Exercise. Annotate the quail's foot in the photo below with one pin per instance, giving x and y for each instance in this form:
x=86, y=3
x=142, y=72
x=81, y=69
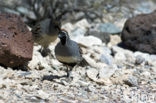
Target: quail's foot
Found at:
x=68, y=70
x=22, y=67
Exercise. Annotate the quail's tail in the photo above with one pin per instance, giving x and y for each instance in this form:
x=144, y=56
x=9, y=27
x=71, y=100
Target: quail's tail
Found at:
x=84, y=63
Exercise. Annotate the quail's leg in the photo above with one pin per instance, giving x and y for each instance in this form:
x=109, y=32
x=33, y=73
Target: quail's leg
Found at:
x=68, y=71
x=45, y=51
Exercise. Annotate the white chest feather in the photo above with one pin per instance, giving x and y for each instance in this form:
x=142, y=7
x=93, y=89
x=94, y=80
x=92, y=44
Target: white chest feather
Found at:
x=67, y=59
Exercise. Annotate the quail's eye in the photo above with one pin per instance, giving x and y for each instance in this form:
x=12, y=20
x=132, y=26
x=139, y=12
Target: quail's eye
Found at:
x=57, y=27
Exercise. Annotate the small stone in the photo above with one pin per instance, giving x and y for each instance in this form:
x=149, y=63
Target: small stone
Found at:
x=91, y=15
x=114, y=40
x=106, y=50
x=78, y=32
x=27, y=12
x=83, y=84
x=105, y=37
x=117, y=49
x=7, y=10
x=92, y=74
x=82, y=24
x=131, y=81
x=79, y=15
x=146, y=74
x=120, y=56
x=146, y=56
x=91, y=88
x=139, y=60
x=108, y=28
x=101, y=76
x=23, y=74
x=106, y=58
x=153, y=57
x=43, y=94
x=107, y=71
x=120, y=23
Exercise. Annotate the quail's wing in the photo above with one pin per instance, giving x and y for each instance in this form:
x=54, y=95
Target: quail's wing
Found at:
x=36, y=30
x=80, y=50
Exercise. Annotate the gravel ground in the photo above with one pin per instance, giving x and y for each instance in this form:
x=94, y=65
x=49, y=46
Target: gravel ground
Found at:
x=130, y=78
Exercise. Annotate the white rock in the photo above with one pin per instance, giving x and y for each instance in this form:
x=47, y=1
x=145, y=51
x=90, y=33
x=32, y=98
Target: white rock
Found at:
x=120, y=56
x=114, y=40
x=78, y=32
x=106, y=58
x=123, y=54
x=146, y=56
x=107, y=72
x=120, y=23
x=68, y=26
x=38, y=62
x=82, y=24
x=92, y=74
x=88, y=41
x=93, y=63
x=117, y=49
x=82, y=83
x=146, y=74
x=102, y=76
x=43, y=94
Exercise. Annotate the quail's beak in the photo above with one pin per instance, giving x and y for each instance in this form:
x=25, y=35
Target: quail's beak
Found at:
x=58, y=28
x=60, y=36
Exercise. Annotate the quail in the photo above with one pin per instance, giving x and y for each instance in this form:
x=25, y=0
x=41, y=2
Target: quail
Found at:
x=46, y=32
x=68, y=52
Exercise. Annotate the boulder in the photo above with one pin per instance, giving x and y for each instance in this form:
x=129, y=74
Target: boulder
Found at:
x=139, y=33
x=16, y=42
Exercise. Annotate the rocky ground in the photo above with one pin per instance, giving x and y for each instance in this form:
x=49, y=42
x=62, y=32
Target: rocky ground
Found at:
x=114, y=75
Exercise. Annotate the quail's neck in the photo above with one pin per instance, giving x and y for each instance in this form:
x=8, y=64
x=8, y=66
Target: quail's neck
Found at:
x=65, y=41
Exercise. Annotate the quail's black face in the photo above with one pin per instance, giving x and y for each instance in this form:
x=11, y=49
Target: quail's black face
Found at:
x=55, y=25
x=63, y=35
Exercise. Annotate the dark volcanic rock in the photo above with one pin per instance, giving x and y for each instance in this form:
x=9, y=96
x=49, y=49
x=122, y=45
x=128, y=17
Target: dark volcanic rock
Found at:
x=16, y=43
x=139, y=33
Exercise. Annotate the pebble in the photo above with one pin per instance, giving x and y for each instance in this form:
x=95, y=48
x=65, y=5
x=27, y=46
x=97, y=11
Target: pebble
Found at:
x=107, y=72
x=79, y=15
x=131, y=81
x=139, y=60
x=120, y=56
x=108, y=28
x=105, y=58
x=78, y=32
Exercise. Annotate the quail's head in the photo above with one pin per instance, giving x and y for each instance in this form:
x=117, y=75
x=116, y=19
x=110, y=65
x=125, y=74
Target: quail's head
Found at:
x=55, y=26
x=64, y=37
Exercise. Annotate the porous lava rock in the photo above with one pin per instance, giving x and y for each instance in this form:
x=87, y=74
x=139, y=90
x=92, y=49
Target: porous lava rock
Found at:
x=139, y=33
x=16, y=42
